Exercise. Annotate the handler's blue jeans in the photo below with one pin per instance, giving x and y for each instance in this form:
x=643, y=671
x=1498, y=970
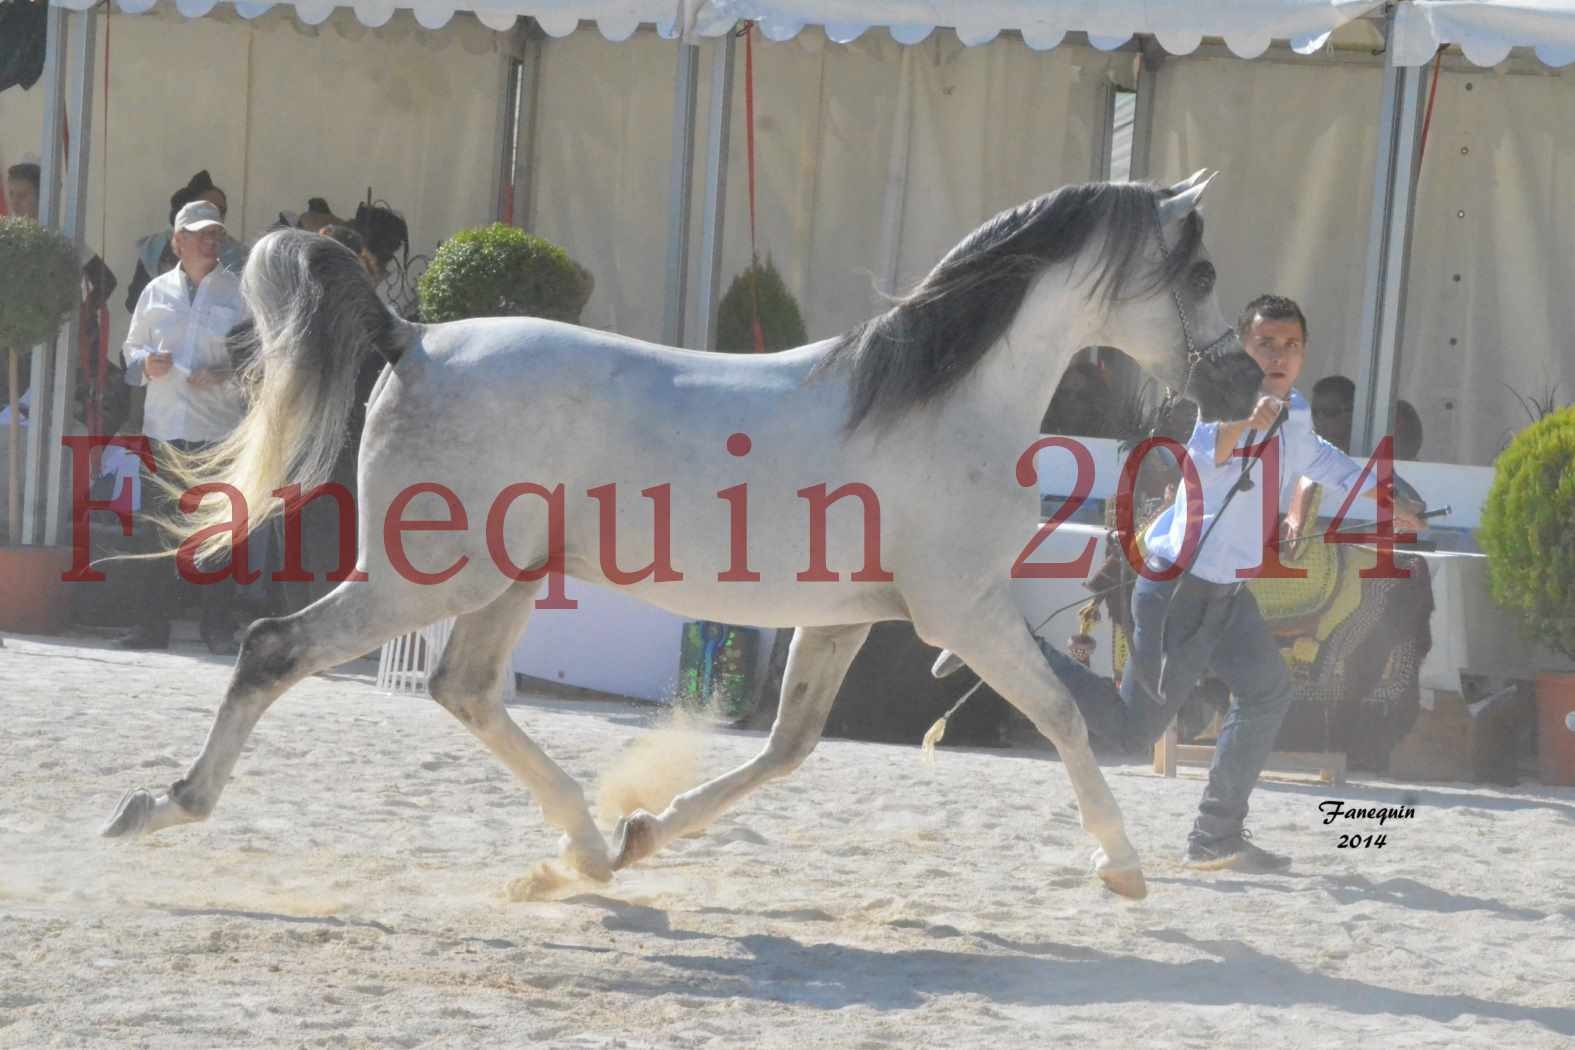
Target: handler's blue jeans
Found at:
x=1211, y=627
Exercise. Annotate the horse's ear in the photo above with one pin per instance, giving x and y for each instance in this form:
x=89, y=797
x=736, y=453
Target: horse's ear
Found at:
x=1180, y=204
x=1189, y=182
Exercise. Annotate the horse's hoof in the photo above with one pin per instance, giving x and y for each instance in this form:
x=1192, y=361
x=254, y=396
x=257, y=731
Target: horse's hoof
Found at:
x=634, y=839
x=1128, y=883
x=592, y=864
x=132, y=816
x=1124, y=877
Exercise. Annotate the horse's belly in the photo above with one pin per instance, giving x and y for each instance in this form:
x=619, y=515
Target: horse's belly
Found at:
x=763, y=603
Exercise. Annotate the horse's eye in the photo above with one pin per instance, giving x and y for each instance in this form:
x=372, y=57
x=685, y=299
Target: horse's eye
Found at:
x=1202, y=277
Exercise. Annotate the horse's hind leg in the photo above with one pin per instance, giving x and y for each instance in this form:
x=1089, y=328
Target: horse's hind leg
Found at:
x=468, y=683
x=817, y=663
x=992, y=639
x=275, y=655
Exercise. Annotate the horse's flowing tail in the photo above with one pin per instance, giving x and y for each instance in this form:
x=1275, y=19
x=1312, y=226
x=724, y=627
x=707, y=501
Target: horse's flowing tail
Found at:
x=316, y=318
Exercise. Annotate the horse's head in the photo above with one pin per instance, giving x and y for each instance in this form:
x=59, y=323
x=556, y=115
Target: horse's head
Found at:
x=1170, y=319
x=1101, y=264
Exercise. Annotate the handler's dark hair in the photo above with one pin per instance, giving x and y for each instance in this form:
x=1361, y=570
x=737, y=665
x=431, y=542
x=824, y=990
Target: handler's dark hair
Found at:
x=1271, y=308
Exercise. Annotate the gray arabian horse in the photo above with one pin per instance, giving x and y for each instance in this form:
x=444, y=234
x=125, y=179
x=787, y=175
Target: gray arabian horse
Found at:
x=497, y=434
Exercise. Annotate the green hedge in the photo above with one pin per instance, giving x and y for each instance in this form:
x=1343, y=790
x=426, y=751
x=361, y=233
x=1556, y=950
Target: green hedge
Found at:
x=40, y=283
x=501, y=271
x=1528, y=530
x=780, y=320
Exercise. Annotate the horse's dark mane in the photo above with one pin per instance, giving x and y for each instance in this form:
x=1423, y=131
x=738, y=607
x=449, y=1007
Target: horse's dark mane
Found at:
x=935, y=335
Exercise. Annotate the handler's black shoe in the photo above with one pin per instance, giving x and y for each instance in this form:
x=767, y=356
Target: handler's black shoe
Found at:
x=1236, y=853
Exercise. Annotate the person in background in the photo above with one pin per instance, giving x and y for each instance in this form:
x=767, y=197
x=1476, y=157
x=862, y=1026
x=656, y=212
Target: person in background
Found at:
x=21, y=190
x=179, y=348
x=1334, y=410
x=318, y=216
x=1333, y=415
x=386, y=235
x=1408, y=432
x=156, y=254
x=352, y=239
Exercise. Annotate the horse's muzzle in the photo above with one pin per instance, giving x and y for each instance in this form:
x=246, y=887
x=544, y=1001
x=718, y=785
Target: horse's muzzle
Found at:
x=1224, y=380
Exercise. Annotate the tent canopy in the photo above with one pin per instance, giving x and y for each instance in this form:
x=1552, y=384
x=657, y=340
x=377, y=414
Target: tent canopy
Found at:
x=1485, y=29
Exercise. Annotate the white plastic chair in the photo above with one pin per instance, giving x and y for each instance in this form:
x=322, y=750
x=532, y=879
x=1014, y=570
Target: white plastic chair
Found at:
x=406, y=661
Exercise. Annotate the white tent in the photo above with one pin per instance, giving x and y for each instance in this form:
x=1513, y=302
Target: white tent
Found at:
x=1485, y=29
x=1374, y=226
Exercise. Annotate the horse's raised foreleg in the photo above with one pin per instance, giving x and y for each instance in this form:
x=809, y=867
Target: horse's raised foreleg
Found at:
x=468, y=683
x=275, y=654
x=992, y=638
x=817, y=662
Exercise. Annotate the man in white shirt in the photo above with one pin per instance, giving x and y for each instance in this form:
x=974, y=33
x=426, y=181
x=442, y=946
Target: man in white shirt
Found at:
x=177, y=348
x=1204, y=619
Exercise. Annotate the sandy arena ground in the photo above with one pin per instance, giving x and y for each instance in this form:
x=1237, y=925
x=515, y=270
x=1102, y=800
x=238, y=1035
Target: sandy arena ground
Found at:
x=351, y=891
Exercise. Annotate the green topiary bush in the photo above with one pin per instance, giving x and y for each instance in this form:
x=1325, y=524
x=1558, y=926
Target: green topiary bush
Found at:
x=1528, y=530
x=780, y=320
x=40, y=286
x=501, y=271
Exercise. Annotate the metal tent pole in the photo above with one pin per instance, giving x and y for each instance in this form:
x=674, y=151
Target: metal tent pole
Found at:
x=680, y=193
x=525, y=126
x=714, y=211
x=49, y=209
x=74, y=225
x=1148, y=61
x=1388, y=247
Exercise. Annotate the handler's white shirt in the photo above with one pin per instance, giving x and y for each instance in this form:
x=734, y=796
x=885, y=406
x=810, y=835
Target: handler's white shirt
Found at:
x=1237, y=543
x=193, y=330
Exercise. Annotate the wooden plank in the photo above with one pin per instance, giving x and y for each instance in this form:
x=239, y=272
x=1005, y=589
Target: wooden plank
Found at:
x=1330, y=765
x=1166, y=756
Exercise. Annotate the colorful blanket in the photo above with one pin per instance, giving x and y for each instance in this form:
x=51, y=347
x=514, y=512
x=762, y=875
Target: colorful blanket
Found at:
x=1354, y=647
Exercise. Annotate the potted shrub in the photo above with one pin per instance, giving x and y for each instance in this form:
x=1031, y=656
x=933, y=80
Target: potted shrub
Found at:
x=1528, y=533
x=781, y=323
x=42, y=285
x=501, y=271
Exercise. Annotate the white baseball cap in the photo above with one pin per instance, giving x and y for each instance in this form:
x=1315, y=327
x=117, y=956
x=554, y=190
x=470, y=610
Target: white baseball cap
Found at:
x=198, y=215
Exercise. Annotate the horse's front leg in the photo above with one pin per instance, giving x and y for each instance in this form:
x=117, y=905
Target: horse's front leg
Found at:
x=276, y=654
x=817, y=663
x=992, y=638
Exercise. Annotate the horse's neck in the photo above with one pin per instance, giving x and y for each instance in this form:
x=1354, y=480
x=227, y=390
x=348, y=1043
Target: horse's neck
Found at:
x=1016, y=377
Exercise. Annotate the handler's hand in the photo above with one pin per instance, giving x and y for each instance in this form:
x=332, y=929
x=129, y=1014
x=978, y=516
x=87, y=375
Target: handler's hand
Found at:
x=1264, y=413
x=1291, y=531
x=159, y=365
x=1409, y=519
x=1297, y=525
